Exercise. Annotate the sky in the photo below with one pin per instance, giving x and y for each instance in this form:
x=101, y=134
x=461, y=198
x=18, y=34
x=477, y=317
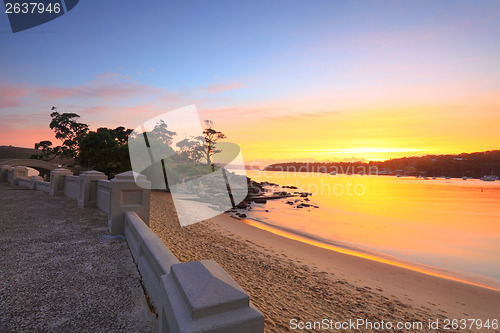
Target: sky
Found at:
x=285, y=80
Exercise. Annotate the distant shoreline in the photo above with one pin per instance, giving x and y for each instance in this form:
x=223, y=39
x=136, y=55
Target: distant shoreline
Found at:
x=471, y=165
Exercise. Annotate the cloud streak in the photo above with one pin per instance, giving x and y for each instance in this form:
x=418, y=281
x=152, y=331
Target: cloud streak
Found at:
x=107, y=87
x=219, y=87
x=11, y=96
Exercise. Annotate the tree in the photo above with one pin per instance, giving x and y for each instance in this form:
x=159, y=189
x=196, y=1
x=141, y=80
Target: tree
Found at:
x=121, y=134
x=68, y=130
x=162, y=134
x=191, y=149
x=47, y=153
x=211, y=138
x=105, y=150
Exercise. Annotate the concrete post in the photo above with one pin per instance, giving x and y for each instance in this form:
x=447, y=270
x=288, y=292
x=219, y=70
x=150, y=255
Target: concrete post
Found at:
x=128, y=194
x=202, y=297
x=87, y=194
x=10, y=175
x=57, y=181
x=33, y=180
x=18, y=172
x=4, y=173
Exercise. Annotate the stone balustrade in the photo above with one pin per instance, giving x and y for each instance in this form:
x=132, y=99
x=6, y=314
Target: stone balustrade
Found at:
x=42, y=186
x=128, y=195
x=103, y=198
x=57, y=181
x=29, y=182
x=196, y=296
x=16, y=173
x=71, y=187
x=4, y=173
x=87, y=188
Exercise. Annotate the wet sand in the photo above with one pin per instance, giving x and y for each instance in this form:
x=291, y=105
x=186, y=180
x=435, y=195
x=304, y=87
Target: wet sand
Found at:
x=289, y=280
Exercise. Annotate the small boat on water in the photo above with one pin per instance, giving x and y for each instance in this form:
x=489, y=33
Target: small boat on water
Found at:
x=489, y=178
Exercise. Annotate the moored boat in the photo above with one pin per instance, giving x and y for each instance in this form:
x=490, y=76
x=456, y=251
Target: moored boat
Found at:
x=489, y=178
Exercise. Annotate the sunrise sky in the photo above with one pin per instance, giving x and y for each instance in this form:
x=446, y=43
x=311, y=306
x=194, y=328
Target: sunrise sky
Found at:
x=286, y=80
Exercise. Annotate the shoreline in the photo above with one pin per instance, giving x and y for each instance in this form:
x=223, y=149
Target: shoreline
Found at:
x=374, y=256
x=318, y=238
x=288, y=279
x=374, y=274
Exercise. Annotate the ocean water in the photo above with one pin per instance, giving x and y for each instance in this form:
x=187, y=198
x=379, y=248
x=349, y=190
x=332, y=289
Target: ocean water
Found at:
x=444, y=227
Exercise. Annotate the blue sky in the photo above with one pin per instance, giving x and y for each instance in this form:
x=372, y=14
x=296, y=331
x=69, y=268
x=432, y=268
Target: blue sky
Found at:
x=117, y=61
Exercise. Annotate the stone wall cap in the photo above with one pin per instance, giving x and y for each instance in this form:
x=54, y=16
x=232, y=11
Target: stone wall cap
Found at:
x=92, y=172
x=207, y=288
x=130, y=175
x=60, y=170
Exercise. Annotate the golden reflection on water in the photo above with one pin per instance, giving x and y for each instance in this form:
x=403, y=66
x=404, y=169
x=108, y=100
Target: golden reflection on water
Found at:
x=449, y=225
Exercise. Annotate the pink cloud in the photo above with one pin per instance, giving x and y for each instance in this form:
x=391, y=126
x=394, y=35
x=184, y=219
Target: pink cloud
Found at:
x=11, y=96
x=107, y=76
x=171, y=97
x=217, y=87
x=103, y=89
x=50, y=93
x=109, y=115
x=15, y=120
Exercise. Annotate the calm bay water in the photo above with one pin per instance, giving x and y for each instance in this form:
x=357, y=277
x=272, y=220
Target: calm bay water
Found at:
x=448, y=227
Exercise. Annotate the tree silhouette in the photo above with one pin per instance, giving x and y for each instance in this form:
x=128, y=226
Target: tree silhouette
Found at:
x=68, y=130
x=191, y=149
x=105, y=149
x=162, y=134
x=211, y=138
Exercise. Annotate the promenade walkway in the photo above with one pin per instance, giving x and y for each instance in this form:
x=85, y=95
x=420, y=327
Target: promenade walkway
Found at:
x=60, y=271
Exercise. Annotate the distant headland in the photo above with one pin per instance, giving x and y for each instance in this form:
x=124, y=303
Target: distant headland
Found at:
x=470, y=165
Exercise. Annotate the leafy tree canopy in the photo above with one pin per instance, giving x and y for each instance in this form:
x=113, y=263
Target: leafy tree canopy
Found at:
x=105, y=149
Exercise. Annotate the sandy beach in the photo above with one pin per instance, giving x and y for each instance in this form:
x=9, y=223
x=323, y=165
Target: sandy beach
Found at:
x=292, y=282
